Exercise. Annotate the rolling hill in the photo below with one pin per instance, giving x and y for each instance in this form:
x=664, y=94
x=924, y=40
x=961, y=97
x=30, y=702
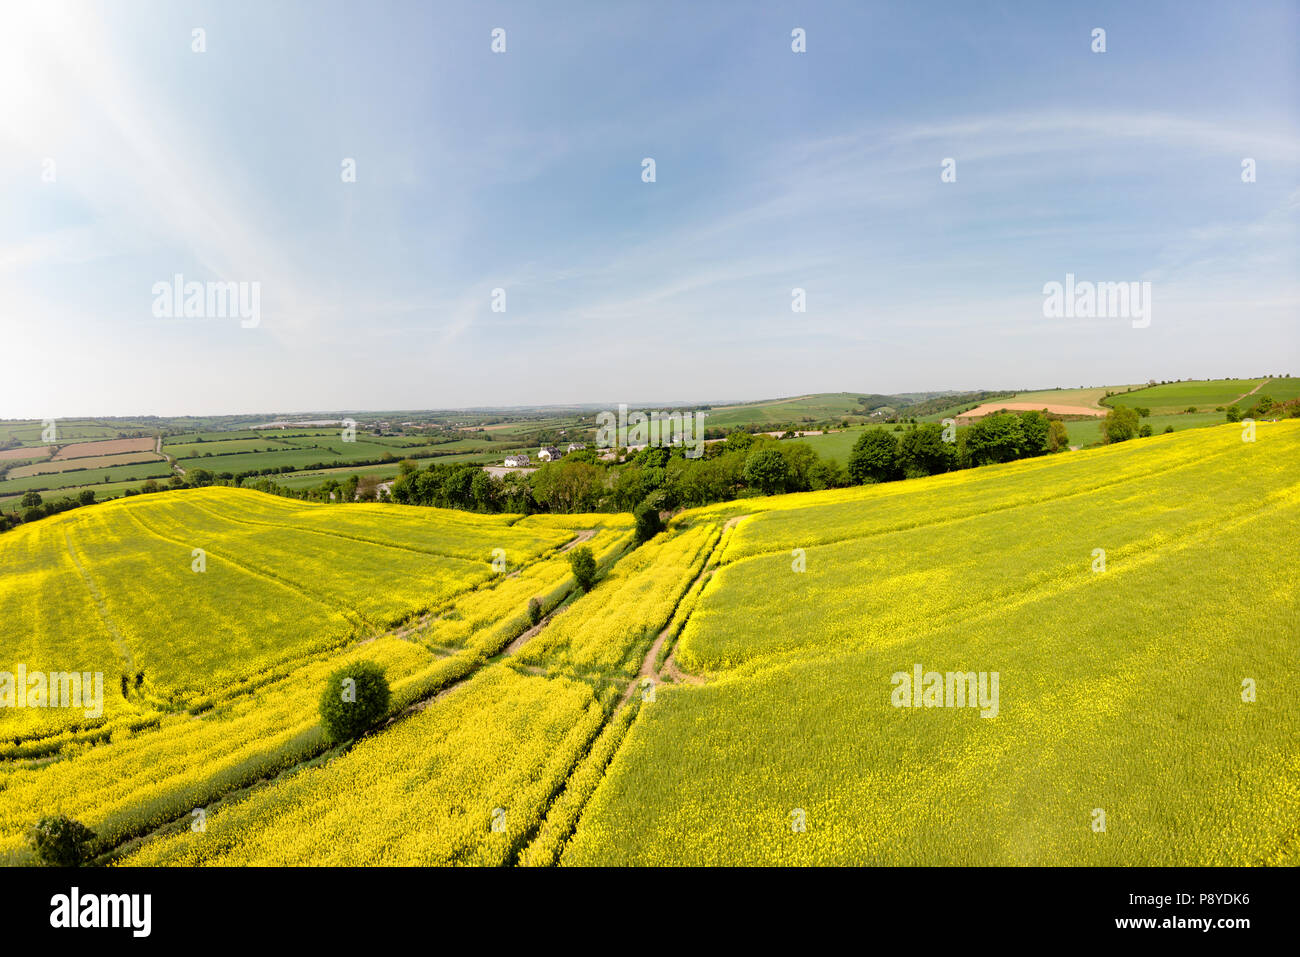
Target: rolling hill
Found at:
x=726, y=693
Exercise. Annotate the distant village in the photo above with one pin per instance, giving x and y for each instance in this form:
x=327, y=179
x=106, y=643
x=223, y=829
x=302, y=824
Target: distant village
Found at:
x=547, y=453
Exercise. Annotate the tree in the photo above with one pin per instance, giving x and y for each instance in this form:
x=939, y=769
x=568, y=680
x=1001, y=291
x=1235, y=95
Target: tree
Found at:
x=483, y=487
x=1058, y=436
x=1144, y=430
x=874, y=457
x=801, y=461
x=924, y=452
x=87, y=497
x=1035, y=429
x=355, y=697
x=569, y=486
x=766, y=470
x=61, y=841
x=31, y=500
x=648, y=522
x=995, y=438
x=534, y=611
x=739, y=440
x=1120, y=424
x=583, y=564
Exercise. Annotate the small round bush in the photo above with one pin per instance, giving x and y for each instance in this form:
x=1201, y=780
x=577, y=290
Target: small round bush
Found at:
x=583, y=564
x=534, y=611
x=355, y=697
x=648, y=522
x=60, y=841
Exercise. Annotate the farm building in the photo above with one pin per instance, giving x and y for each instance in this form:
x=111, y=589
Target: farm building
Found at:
x=549, y=453
x=517, y=461
x=577, y=446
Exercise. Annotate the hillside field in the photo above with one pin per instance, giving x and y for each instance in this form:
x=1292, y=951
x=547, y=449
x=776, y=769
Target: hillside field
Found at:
x=727, y=693
x=1206, y=395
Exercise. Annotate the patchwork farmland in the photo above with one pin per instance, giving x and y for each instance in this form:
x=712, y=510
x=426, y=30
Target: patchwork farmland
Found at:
x=725, y=692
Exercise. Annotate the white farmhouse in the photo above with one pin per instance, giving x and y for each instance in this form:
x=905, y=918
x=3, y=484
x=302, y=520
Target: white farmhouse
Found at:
x=550, y=453
x=517, y=461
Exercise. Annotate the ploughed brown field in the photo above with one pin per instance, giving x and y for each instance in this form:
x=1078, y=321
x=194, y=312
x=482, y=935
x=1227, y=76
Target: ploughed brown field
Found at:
x=80, y=450
x=87, y=462
x=26, y=452
x=988, y=408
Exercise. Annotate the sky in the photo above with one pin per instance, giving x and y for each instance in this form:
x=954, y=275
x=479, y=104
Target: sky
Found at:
x=128, y=157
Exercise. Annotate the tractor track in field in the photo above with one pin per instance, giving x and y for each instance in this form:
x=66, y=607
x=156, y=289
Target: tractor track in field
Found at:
x=649, y=668
x=1251, y=392
x=414, y=708
x=646, y=671
x=122, y=649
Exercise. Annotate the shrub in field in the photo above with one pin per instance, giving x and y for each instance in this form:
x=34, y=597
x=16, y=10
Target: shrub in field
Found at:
x=1120, y=424
x=583, y=564
x=1144, y=431
x=766, y=470
x=924, y=452
x=648, y=523
x=355, y=697
x=874, y=457
x=1058, y=437
x=534, y=610
x=60, y=841
x=1233, y=414
x=996, y=438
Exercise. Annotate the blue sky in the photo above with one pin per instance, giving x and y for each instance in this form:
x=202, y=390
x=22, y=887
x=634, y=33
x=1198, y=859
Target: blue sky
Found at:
x=522, y=171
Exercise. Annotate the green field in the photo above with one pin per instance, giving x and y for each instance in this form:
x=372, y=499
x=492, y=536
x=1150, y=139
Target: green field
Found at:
x=807, y=408
x=835, y=445
x=1204, y=395
x=28, y=432
x=185, y=450
x=67, y=480
x=1084, y=433
x=310, y=479
x=103, y=493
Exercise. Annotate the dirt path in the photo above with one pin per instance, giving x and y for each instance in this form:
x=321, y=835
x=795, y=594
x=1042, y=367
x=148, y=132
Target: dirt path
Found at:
x=583, y=536
x=523, y=639
x=676, y=674
x=670, y=668
x=1251, y=392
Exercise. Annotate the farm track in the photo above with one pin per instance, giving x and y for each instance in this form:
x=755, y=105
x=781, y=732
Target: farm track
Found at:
x=401, y=632
x=648, y=665
x=647, y=670
x=1251, y=392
